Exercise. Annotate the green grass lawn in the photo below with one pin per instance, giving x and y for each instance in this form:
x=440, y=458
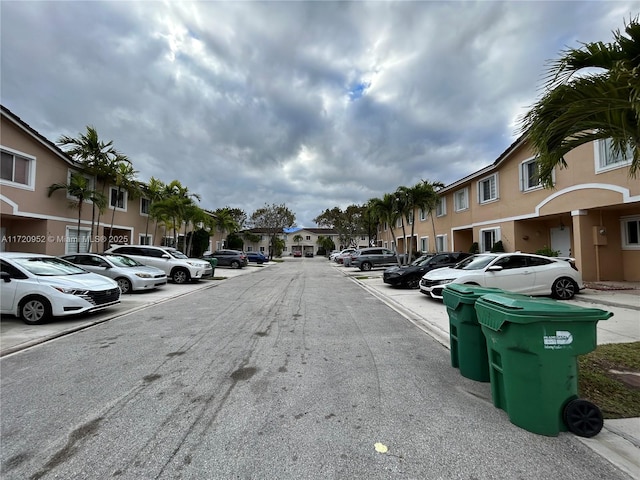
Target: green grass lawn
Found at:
x=617, y=398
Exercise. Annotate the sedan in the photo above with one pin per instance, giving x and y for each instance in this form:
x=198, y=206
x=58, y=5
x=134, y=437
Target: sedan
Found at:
x=37, y=287
x=515, y=272
x=408, y=276
x=131, y=275
x=257, y=257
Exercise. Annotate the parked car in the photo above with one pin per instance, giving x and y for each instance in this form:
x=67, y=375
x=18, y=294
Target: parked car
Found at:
x=258, y=257
x=308, y=254
x=339, y=258
x=131, y=275
x=37, y=287
x=515, y=272
x=178, y=267
x=367, y=258
x=297, y=253
x=229, y=258
x=409, y=276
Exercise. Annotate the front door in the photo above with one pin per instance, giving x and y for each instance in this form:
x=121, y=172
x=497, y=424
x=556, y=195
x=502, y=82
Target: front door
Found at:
x=561, y=241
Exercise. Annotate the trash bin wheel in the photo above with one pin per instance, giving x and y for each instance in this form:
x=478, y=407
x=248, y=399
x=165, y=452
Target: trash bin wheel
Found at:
x=583, y=418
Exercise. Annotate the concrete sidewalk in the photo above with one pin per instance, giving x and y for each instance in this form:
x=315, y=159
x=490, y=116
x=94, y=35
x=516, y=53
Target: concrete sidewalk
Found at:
x=619, y=440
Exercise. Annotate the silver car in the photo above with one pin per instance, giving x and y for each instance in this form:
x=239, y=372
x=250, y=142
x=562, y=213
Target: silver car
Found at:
x=131, y=275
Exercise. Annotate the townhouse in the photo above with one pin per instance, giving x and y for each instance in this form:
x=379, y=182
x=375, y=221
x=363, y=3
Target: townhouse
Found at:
x=592, y=213
x=33, y=221
x=300, y=239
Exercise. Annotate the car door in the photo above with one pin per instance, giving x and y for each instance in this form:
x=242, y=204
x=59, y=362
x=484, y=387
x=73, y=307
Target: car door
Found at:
x=544, y=274
x=386, y=257
x=515, y=275
x=91, y=263
x=9, y=289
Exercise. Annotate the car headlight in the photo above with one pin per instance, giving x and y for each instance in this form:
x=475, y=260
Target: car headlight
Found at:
x=447, y=280
x=71, y=291
x=198, y=264
x=143, y=275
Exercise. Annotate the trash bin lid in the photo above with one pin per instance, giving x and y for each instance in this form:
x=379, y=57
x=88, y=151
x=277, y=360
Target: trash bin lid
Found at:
x=521, y=309
x=455, y=294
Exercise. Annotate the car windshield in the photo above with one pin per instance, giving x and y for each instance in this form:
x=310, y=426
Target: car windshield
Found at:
x=177, y=254
x=122, y=261
x=475, y=262
x=422, y=261
x=48, y=267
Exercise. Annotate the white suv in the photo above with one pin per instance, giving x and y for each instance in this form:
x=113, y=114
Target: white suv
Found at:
x=178, y=267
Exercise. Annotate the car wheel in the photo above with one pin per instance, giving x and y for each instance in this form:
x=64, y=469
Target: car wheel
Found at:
x=180, y=276
x=413, y=283
x=35, y=310
x=124, y=284
x=564, y=289
x=366, y=266
x=235, y=264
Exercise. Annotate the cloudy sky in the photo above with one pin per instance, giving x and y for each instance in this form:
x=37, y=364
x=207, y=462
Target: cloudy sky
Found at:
x=310, y=104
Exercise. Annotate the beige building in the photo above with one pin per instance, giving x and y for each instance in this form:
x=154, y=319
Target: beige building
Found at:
x=591, y=214
x=33, y=221
x=304, y=240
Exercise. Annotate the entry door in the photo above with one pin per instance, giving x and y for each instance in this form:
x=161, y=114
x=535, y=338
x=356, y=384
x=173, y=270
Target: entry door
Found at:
x=561, y=241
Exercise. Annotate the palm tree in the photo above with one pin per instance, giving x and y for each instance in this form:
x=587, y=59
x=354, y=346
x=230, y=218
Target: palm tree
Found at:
x=80, y=188
x=386, y=210
x=153, y=192
x=96, y=158
x=429, y=200
x=591, y=93
x=297, y=238
x=224, y=221
x=125, y=181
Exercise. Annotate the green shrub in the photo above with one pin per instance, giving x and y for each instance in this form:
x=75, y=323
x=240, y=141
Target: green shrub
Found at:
x=547, y=252
x=497, y=247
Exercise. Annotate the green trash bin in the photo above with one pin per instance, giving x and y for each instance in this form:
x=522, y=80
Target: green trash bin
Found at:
x=214, y=264
x=532, y=347
x=468, y=345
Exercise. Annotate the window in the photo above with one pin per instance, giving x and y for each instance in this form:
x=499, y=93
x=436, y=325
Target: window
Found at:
x=631, y=233
x=90, y=183
x=145, y=205
x=441, y=208
x=399, y=222
x=410, y=218
x=488, y=189
x=144, y=239
x=441, y=243
x=117, y=199
x=77, y=243
x=529, y=175
x=16, y=169
x=423, y=215
x=308, y=237
x=488, y=238
x=461, y=199
x=606, y=159
x=424, y=244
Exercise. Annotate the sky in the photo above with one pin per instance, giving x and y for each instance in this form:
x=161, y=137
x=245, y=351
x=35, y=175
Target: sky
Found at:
x=311, y=104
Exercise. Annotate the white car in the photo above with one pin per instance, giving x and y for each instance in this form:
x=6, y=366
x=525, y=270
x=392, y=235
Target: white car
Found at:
x=178, y=267
x=131, y=275
x=37, y=287
x=515, y=272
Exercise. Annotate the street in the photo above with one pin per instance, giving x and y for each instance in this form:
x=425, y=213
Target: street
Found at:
x=291, y=372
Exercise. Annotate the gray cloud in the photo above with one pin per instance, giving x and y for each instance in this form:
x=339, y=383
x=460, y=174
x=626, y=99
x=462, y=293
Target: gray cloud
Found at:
x=312, y=104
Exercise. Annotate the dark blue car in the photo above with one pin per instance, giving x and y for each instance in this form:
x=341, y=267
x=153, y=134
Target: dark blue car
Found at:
x=256, y=257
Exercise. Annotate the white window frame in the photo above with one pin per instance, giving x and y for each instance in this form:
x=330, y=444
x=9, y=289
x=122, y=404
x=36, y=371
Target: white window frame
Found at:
x=142, y=238
x=124, y=199
x=72, y=232
x=601, y=149
x=624, y=229
x=31, y=170
x=423, y=215
x=142, y=212
x=424, y=244
x=496, y=238
x=491, y=178
x=90, y=180
x=441, y=207
x=523, y=174
x=441, y=243
x=456, y=203
x=399, y=222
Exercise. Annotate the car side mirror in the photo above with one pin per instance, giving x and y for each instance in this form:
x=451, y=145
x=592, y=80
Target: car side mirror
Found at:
x=166, y=255
x=494, y=268
x=5, y=276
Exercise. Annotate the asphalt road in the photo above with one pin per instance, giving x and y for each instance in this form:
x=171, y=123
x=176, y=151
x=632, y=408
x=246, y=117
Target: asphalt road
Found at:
x=291, y=372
